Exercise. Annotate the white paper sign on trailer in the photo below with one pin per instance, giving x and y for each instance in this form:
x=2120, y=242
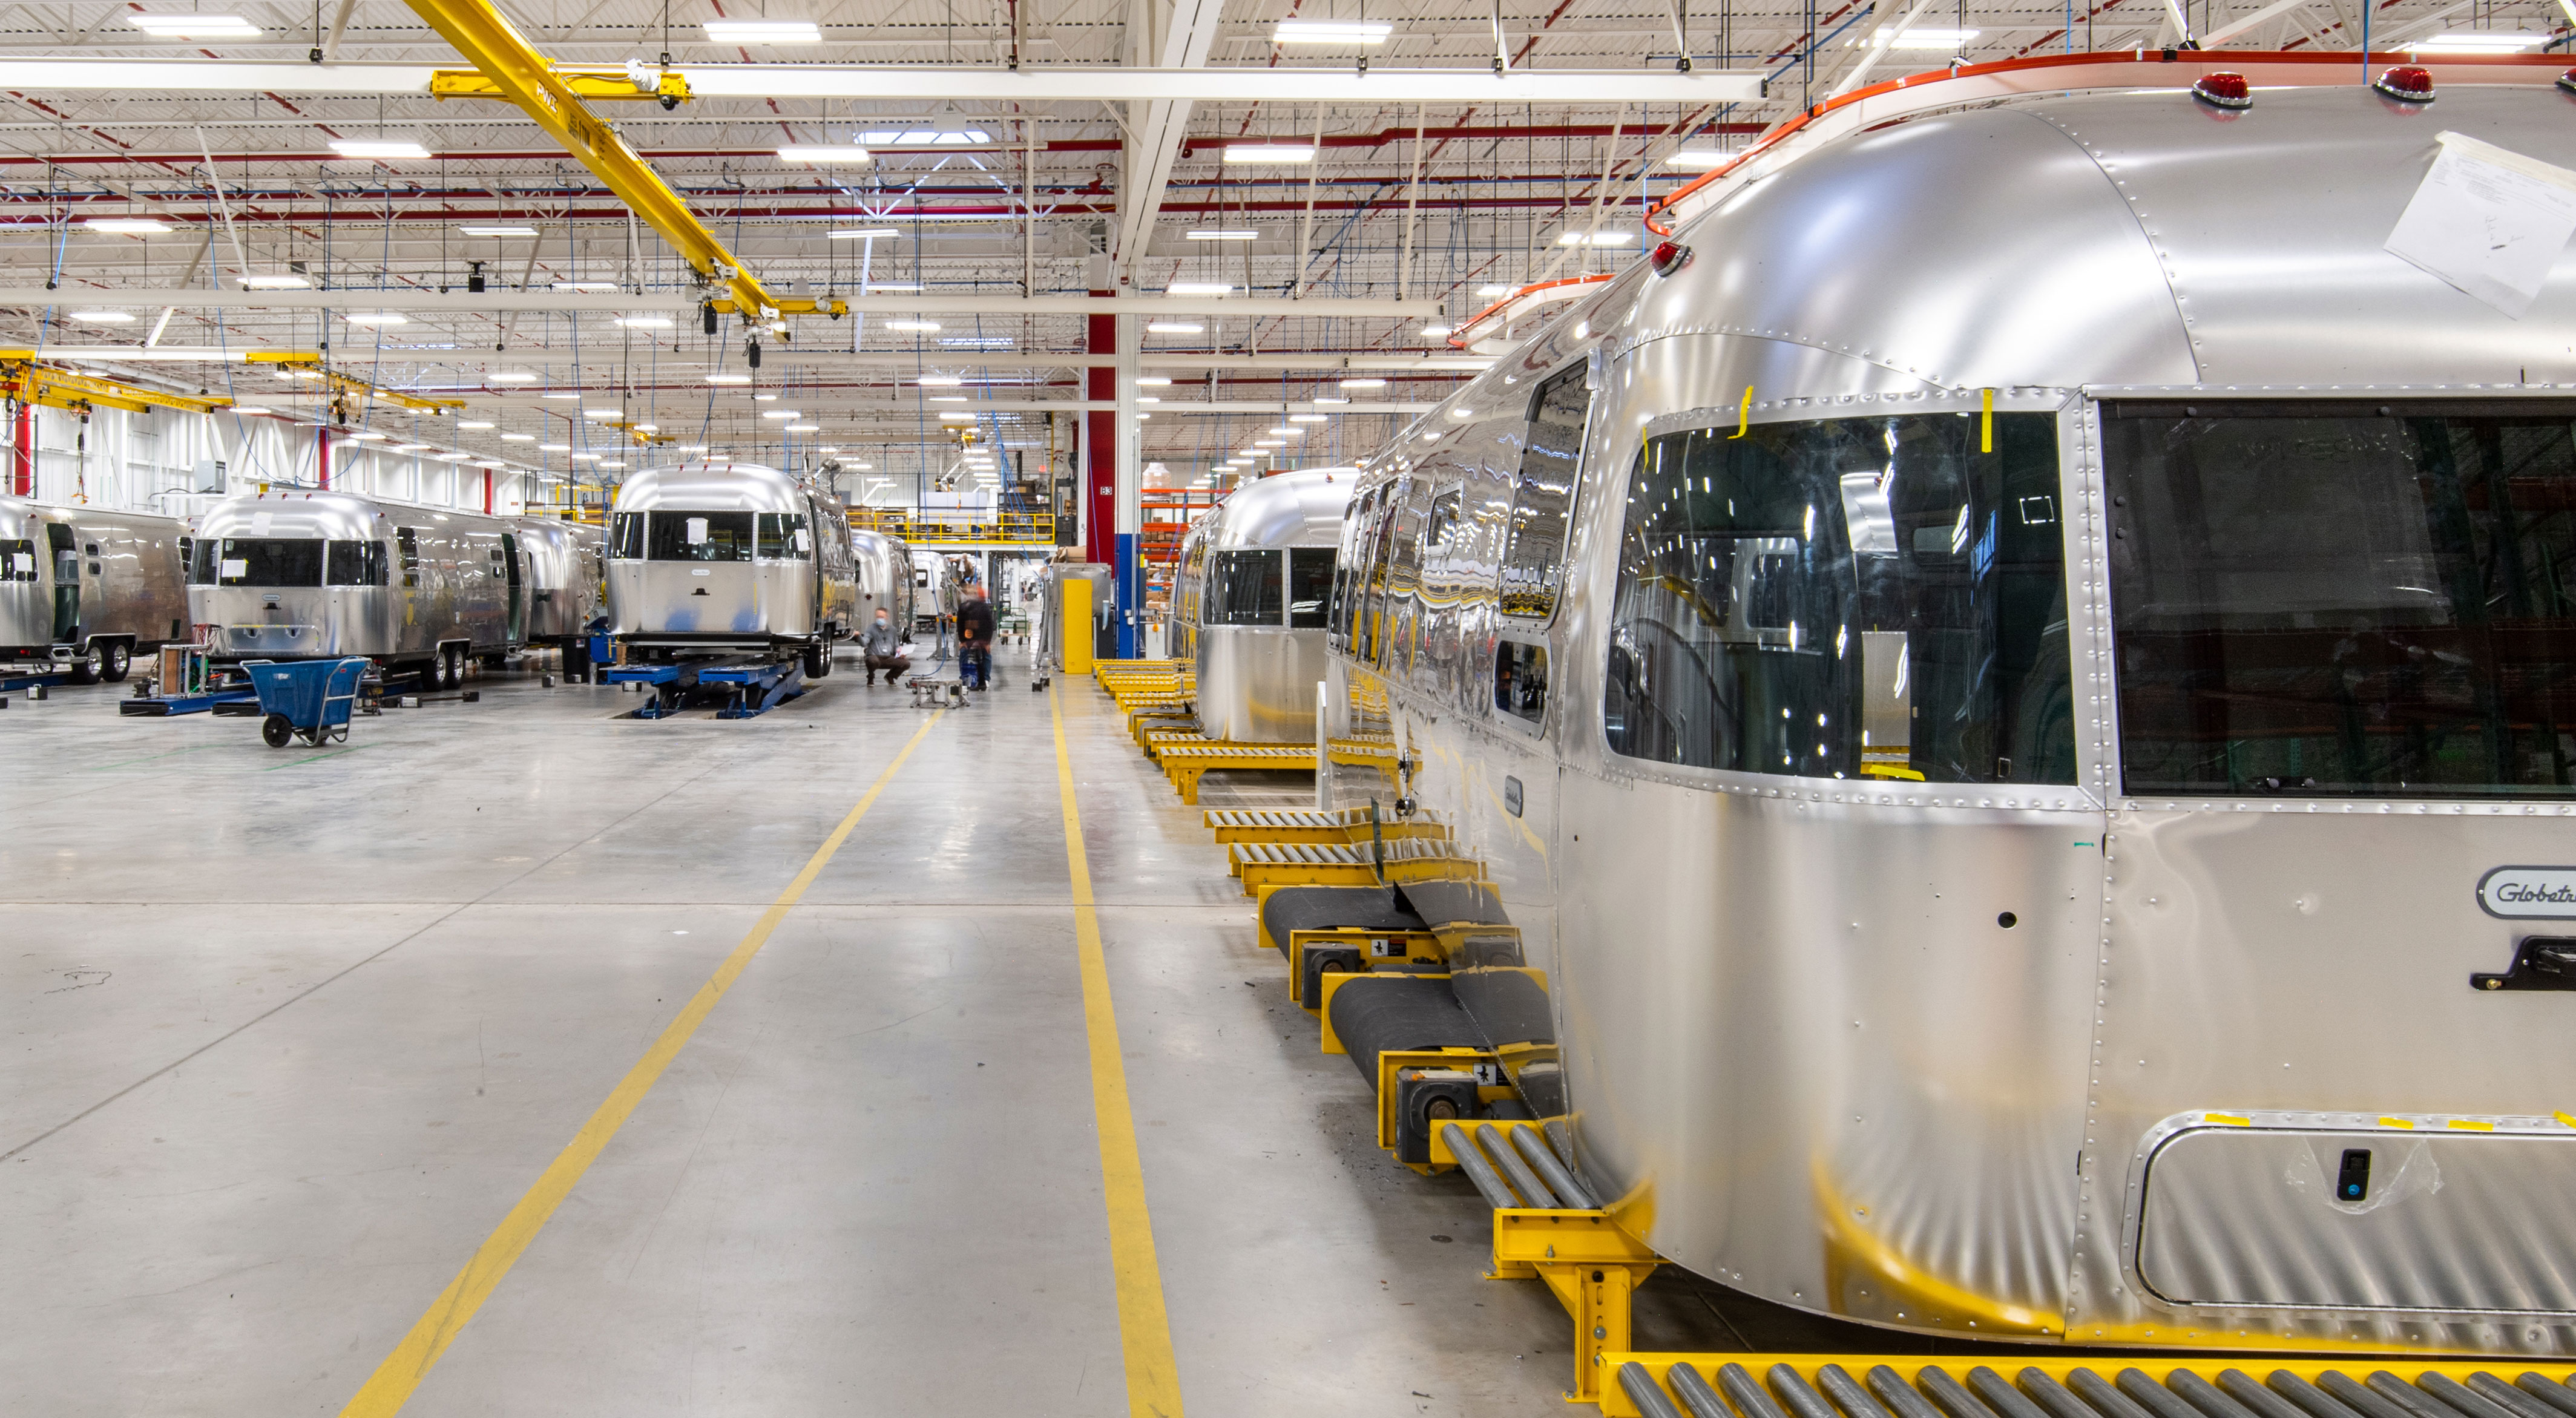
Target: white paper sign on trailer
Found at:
x=2489, y=221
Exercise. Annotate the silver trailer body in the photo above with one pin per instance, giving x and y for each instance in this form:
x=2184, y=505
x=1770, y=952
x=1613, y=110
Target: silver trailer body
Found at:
x=305, y=575
x=1104, y=593
x=728, y=558
x=2001, y=878
x=885, y=578
x=935, y=592
x=88, y=587
x=1249, y=596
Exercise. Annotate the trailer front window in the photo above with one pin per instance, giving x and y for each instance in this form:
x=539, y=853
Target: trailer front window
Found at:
x=699, y=536
x=2345, y=597
x=264, y=561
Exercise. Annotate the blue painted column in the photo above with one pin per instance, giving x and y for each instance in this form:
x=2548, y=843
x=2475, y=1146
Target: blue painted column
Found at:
x=1131, y=594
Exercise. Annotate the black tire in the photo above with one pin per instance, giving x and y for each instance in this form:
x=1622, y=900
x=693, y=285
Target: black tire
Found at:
x=276, y=730
x=818, y=661
x=89, y=664
x=429, y=673
x=120, y=660
x=454, y=655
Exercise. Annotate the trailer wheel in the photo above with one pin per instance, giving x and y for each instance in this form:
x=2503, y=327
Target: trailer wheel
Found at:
x=818, y=661
x=276, y=730
x=120, y=659
x=454, y=656
x=89, y=664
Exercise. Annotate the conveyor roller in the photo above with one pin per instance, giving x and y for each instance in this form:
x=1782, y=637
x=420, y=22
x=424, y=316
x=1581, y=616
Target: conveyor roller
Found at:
x=1812, y=1386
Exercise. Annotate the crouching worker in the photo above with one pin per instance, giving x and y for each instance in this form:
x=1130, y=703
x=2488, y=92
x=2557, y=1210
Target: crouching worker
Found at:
x=883, y=646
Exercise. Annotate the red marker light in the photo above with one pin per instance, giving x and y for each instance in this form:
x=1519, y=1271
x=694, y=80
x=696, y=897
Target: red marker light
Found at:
x=1669, y=256
x=2224, y=90
x=2406, y=83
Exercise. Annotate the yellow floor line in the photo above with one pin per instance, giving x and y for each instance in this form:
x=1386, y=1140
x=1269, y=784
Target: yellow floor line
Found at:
x=391, y=1386
x=1144, y=1330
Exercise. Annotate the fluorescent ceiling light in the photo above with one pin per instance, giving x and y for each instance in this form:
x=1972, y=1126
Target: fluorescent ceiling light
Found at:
x=921, y=326
x=1433, y=332
x=693, y=448
x=251, y=409
x=1310, y=418
x=585, y=457
x=275, y=283
x=2479, y=42
x=104, y=317
x=645, y=322
x=377, y=149
x=1919, y=37
x=1286, y=432
x=1596, y=238
x=1174, y=327
x=1151, y=380
x=780, y=414
x=510, y=376
x=1224, y=235
x=603, y=413
x=471, y=424
x=948, y=398
x=1269, y=152
x=823, y=153
x=127, y=226
x=1494, y=292
x=1696, y=159
x=1329, y=399
x=554, y=447
x=864, y=233
x=586, y=287
x=518, y=438
x=762, y=32
x=764, y=398
x=956, y=418
x=498, y=230
x=1197, y=288
x=372, y=319
x=804, y=428
x=1363, y=383
x=728, y=379
x=412, y=448
x=369, y=437
x=560, y=396
x=490, y=463
x=1331, y=32
x=194, y=26
x=926, y=137
x=939, y=381
x=1147, y=399
x=454, y=457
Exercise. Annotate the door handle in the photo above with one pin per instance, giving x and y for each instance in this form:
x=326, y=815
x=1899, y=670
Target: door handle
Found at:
x=2541, y=962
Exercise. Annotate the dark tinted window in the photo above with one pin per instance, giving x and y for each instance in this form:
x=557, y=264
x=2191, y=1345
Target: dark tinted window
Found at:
x=355, y=564
x=699, y=536
x=1310, y=581
x=2345, y=598
x=783, y=535
x=1874, y=597
x=407, y=545
x=268, y=561
x=626, y=536
x=1244, y=588
x=1543, y=500
x=1520, y=680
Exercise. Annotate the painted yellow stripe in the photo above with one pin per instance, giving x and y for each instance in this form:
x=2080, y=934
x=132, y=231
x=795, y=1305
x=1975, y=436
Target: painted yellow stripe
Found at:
x=391, y=1386
x=1144, y=1330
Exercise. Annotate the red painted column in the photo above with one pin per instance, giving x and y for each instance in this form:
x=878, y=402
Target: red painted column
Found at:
x=487, y=492
x=22, y=457
x=1100, y=443
x=322, y=455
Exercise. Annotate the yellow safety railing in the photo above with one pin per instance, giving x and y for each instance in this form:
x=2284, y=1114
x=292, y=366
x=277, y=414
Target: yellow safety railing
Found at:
x=1003, y=529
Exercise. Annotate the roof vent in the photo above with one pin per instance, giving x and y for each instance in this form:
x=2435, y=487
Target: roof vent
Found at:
x=2224, y=90
x=2406, y=83
x=1669, y=256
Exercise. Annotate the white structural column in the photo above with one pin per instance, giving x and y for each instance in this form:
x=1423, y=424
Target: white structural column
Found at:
x=1156, y=128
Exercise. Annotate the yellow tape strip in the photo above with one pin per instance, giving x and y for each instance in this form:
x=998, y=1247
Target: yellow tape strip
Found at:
x=1144, y=1330
x=394, y=1380
x=1743, y=416
x=1986, y=425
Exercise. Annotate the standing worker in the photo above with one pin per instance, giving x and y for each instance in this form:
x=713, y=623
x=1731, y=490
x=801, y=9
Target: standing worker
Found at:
x=975, y=639
x=882, y=645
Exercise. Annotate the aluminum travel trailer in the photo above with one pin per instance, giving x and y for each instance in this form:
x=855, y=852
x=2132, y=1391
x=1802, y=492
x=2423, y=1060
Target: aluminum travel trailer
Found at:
x=2022, y=694
x=306, y=575
x=884, y=578
x=935, y=591
x=705, y=560
x=1249, y=597
x=86, y=590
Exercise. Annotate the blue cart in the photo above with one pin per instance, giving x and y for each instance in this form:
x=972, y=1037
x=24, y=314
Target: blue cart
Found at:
x=311, y=698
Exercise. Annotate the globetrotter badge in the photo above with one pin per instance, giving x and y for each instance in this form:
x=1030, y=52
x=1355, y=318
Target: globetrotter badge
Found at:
x=2529, y=893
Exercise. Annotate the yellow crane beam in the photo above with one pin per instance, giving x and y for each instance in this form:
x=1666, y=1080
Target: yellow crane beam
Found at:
x=590, y=81
x=30, y=383
x=495, y=47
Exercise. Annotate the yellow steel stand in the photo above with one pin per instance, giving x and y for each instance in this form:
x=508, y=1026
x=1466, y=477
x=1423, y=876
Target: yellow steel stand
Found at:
x=1075, y=613
x=1592, y=1266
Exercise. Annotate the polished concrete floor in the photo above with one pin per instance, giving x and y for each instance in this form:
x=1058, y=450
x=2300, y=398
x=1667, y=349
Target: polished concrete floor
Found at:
x=290, y=1032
